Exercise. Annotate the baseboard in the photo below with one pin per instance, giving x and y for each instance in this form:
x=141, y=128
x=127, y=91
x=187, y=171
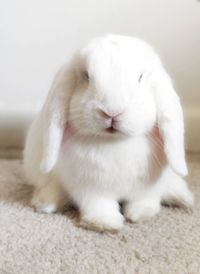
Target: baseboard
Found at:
x=11, y=153
x=14, y=125
x=192, y=129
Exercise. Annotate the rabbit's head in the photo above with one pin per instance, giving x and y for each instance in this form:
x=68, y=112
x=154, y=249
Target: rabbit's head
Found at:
x=115, y=87
x=112, y=98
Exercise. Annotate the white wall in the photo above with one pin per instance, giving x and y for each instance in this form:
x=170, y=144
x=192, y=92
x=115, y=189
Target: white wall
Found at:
x=37, y=36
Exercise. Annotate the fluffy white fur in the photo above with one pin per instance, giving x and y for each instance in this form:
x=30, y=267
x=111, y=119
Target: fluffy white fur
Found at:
x=139, y=161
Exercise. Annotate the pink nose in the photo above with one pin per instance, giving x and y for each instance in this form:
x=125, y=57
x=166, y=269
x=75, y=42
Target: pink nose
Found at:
x=107, y=115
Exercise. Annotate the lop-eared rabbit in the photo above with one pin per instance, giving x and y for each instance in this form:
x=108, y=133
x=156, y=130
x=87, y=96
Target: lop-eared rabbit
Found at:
x=111, y=130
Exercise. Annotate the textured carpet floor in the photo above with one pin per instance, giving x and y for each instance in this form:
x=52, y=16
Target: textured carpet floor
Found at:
x=38, y=243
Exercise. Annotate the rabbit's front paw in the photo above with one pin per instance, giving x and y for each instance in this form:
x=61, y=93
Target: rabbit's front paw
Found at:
x=105, y=221
x=142, y=210
x=101, y=214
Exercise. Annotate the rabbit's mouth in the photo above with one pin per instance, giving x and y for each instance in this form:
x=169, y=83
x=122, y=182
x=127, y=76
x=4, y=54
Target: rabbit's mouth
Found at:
x=114, y=131
x=111, y=130
x=112, y=126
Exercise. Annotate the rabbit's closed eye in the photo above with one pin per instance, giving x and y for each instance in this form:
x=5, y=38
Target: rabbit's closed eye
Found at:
x=140, y=78
x=85, y=75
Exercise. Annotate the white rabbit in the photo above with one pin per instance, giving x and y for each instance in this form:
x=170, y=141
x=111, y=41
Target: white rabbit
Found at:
x=111, y=130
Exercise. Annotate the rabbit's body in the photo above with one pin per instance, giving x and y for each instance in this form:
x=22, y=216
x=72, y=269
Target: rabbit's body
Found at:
x=105, y=166
x=107, y=138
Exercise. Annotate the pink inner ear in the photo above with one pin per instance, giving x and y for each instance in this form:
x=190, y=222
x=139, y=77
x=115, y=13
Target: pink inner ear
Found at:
x=67, y=133
x=158, y=144
x=157, y=160
x=157, y=135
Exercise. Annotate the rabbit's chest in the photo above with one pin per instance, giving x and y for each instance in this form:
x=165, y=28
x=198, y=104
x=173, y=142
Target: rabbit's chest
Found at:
x=111, y=167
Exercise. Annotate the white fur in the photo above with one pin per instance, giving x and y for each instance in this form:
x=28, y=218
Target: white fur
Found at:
x=68, y=142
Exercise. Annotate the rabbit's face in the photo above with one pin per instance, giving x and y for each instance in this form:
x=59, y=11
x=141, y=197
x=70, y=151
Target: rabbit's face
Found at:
x=115, y=87
x=112, y=93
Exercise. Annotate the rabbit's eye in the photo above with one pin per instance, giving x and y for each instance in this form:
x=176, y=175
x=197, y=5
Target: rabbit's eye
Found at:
x=85, y=76
x=140, y=77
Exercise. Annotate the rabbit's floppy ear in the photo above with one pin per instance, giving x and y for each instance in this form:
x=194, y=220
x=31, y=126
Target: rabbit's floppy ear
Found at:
x=54, y=118
x=170, y=120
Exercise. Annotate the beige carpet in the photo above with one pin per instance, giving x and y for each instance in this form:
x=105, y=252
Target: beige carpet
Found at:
x=37, y=243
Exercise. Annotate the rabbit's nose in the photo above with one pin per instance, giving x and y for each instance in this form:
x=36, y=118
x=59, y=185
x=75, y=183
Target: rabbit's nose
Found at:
x=109, y=115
